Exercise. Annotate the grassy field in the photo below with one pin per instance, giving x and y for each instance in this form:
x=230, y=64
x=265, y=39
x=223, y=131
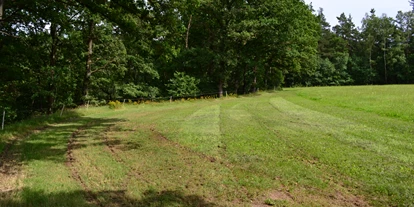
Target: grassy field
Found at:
x=328, y=146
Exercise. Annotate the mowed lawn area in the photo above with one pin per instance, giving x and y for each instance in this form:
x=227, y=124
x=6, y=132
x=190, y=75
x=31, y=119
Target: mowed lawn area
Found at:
x=326, y=146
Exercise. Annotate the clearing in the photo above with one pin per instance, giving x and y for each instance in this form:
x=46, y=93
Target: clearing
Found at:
x=327, y=146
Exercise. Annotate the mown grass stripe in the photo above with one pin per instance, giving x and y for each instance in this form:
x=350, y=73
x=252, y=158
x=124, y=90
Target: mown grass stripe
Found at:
x=374, y=139
x=202, y=130
x=298, y=147
x=356, y=150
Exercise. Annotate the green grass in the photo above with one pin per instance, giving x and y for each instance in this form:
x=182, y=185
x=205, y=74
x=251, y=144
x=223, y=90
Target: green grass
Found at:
x=327, y=146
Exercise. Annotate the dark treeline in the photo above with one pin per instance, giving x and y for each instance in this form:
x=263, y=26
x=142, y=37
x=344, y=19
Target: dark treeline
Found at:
x=56, y=53
x=380, y=52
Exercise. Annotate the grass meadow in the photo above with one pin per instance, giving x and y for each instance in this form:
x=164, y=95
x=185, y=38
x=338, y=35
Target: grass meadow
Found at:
x=324, y=146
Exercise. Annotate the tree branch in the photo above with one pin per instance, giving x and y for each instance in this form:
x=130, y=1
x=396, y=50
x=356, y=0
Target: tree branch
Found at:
x=104, y=66
x=5, y=33
x=188, y=32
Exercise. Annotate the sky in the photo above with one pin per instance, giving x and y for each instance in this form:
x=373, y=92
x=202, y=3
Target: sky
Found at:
x=358, y=8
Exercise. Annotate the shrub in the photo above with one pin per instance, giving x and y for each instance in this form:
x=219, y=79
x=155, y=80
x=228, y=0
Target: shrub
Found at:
x=183, y=85
x=115, y=105
x=233, y=95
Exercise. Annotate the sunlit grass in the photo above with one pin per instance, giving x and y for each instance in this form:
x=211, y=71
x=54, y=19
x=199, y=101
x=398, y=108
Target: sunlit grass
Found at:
x=304, y=146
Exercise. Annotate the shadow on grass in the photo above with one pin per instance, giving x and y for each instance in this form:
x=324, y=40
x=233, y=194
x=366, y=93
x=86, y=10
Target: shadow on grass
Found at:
x=51, y=143
x=47, y=139
x=51, y=140
x=25, y=128
x=31, y=198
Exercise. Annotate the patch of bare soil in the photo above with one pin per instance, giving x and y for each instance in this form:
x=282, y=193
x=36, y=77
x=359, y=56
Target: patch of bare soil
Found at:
x=279, y=195
x=304, y=197
x=349, y=200
x=279, y=198
x=313, y=197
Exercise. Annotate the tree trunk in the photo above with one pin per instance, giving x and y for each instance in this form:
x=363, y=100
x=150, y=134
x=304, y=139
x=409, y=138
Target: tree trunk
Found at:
x=236, y=87
x=88, y=71
x=188, y=31
x=244, y=80
x=370, y=64
x=385, y=62
x=52, y=64
x=1, y=9
x=370, y=57
x=220, y=87
x=53, y=34
x=266, y=82
x=254, y=80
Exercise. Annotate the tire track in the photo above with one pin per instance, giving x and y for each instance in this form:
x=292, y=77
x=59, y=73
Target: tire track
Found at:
x=162, y=138
x=70, y=159
x=135, y=172
x=132, y=171
x=111, y=147
x=91, y=196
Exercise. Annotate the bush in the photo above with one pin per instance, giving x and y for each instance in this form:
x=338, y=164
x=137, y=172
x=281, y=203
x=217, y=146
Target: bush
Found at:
x=233, y=95
x=183, y=85
x=115, y=105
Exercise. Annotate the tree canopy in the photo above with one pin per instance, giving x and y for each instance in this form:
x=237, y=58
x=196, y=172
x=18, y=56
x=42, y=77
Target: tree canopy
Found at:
x=68, y=52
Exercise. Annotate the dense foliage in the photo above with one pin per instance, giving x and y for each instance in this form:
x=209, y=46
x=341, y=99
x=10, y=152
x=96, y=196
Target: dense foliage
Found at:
x=380, y=52
x=68, y=52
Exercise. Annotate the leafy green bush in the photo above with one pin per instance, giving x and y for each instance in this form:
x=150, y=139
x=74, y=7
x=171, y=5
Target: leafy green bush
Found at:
x=183, y=85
